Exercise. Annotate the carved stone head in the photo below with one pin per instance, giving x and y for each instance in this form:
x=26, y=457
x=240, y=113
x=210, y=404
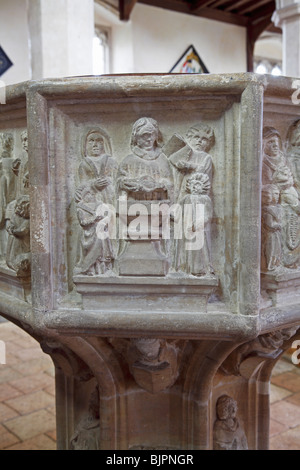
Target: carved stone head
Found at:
x=96, y=143
x=226, y=407
x=24, y=140
x=270, y=194
x=271, y=142
x=146, y=134
x=201, y=137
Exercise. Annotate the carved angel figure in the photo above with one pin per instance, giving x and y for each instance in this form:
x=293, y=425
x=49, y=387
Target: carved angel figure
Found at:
x=228, y=434
x=146, y=173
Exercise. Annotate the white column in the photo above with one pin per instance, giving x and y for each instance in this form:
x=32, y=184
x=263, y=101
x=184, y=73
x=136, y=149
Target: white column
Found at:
x=287, y=16
x=61, y=36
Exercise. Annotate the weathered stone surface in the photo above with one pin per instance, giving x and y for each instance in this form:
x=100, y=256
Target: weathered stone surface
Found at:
x=149, y=327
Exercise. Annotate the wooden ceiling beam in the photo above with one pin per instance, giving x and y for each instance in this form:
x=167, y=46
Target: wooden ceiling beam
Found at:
x=262, y=12
x=201, y=4
x=206, y=12
x=219, y=3
x=252, y=6
x=236, y=4
x=125, y=8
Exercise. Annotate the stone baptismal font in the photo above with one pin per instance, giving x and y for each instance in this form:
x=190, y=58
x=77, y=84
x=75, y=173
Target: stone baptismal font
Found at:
x=150, y=241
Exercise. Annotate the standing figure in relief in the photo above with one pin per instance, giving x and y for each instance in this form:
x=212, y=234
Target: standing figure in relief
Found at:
x=277, y=172
x=146, y=173
x=96, y=175
x=271, y=228
x=20, y=168
x=7, y=188
x=293, y=152
x=273, y=157
x=194, y=156
x=98, y=168
x=228, y=434
x=195, y=261
x=96, y=254
x=18, y=255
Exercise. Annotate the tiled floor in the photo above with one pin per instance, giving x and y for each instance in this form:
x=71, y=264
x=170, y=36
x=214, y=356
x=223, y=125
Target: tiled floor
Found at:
x=27, y=409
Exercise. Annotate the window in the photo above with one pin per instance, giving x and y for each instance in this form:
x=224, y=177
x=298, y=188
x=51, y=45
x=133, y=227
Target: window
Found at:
x=262, y=65
x=101, y=56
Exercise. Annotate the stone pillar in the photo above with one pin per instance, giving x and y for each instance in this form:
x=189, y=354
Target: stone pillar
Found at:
x=287, y=16
x=61, y=36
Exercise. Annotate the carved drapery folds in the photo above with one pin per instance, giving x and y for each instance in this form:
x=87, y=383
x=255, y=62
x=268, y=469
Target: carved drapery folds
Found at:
x=280, y=213
x=15, y=211
x=175, y=177
x=280, y=202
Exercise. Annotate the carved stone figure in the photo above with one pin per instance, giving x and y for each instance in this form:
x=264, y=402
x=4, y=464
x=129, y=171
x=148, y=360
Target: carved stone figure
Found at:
x=293, y=152
x=146, y=174
x=18, y=255
x=152, y=362
x=228, y=434
x=7, y=188
x=96, y=252
x=87, y=432
x=269, y=346
x=98, y=167
x=277, y=172
x=193, y=157
x=20, y=168
x=271, y=228
x=195, y=259
x=273, y=157
x=96, y=175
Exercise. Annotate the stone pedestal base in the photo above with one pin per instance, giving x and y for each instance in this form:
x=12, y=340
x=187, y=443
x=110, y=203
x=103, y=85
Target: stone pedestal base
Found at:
x=126, y=394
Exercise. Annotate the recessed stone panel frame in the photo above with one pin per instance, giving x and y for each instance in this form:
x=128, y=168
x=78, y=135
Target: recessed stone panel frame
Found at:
x=60, y=111
x=13, y=120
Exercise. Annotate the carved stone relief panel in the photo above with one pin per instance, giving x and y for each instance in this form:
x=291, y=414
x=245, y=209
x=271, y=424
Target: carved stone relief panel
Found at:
x=143, y=200
x=134, y=215
x=15, y=256
x=280, y=212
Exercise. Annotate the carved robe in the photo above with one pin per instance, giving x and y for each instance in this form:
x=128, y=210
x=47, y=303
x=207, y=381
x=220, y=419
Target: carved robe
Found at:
x=198, y=261
x=92, y=168
x=228, y=435
x=271, y=231
x=146, y=175
x=196, y=161
x=96, y=254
